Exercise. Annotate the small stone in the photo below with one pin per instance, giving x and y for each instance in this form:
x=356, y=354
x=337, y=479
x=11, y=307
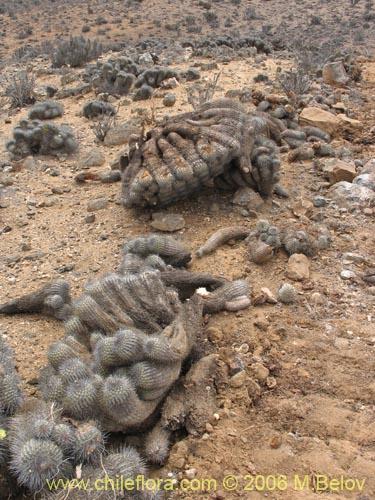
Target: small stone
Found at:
x=247, y=198
x=319, y=201
x=25, y=247
x=167, y=222
x=276, y=442
x=317, y=298
x=354, y=257
x=29, y=163
x=90, y=218
x=303, y=208
x=341, y=343
x=192, y=74
x=190, y=473
x=209, y=428
x=93, y=159
x=66, y=268
x=368, y=211
x=347, y=275
x=260, y=371
x=337, y=170
x=97, y=204
x=57, y=190
x=214, y=334
x=120, y=135
x=298, y=267
x=238, y=379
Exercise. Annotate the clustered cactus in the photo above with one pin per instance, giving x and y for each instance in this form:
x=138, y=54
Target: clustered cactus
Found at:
x=126, y=339
x=217, y=142
x=119, y=76
x=37, y=137
x=267, y=239
x=46, y=110
x=97, y=108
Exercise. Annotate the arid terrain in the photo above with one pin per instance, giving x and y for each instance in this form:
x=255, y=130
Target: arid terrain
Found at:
x=304, y=413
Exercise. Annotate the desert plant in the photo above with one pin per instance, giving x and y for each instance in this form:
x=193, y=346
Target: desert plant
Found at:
x=104, y=123
x=19, y=90
x=199, y=94
x=294, y=81
x=75, y=52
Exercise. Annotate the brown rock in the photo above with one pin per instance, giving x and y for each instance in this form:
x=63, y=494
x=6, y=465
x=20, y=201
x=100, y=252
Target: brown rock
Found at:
x=316, y=117
x=334, y=74
x=338, y=170
x=167, y=222
x=120, y=135
x=298, y=268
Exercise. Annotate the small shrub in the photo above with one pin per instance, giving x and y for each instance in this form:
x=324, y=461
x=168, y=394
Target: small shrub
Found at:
x=294, y=81
x=85, y=28
x=104, y=123
x=75, y=52
x=198, y=93
x=19, y=90
x=250, y=14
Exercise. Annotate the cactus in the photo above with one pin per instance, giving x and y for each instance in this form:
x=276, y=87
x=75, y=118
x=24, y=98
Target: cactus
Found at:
x=10, y=395
x=88, y=443
x=97, y=108
x=46, y=110
x=156, y=445
x=218, y=141
x=45, y=138
x=287, y=294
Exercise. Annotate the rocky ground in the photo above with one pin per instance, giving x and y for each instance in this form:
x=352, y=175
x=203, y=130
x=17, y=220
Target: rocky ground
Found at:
x=302, y=411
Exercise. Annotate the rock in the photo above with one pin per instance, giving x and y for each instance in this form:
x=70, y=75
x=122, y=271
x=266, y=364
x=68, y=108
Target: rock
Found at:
x=69, y=78
x=298, y=268
x=338, y=170
x=260, y=371
x=334, y=74
x=247, y=198
x=167, y=222
x=146, y=59
x=238, y=379
x=169, y=83
x=316, y=117
x=347, y=275
x=214, y=334
x=303, y=209
x=368, y=211
x=366, y=180
x=343, y=191
x=93, y=159
x=192, y=74
x=347, y=124
x=120, y=135
x=97, y=204
x=29, y=163
x=90, y=218
x=319, y=201
x=169, y=99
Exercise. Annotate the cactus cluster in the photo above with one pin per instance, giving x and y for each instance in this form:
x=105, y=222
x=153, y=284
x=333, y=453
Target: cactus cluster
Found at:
x=10, y=394
x=267, y=239
x=119, y=76
x=126, y=340
x=46, y=110
x=97, y=108
x=217, y=142
x=31, y=137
